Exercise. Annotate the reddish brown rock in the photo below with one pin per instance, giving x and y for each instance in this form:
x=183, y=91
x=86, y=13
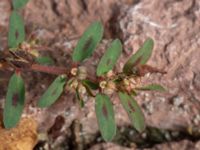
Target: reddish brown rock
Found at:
x=174, y=26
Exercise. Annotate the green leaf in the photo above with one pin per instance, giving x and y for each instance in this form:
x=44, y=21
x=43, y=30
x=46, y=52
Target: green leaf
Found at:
x=14, y=103
x=90, y=84
x=16, y=34
x=18, y=4
x=105, y=116
x=44, y=60
x=53, y=92
x=134, y=112
x=153, y=87
x=140, y=57
x=88, y=42
x=110, y=58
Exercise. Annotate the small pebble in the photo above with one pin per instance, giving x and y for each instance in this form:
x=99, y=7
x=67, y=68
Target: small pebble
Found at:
x=168, y=136
x=196, y=119
x=177, y=101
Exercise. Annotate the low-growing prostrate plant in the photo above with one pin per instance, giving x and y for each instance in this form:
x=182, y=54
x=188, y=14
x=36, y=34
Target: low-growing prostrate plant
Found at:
x=21, y=57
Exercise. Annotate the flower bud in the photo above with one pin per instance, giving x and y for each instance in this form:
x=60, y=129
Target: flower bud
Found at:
x=108, y=91
x=74, y=84
x=82, y=72
x=74, y=71
x=133, y=80
x=111, y=85
x=34, y=53
x=126, y=82
x=102, y=84
x=81, y=89
x=25, y=46
x=110, y=88
x=109, y=74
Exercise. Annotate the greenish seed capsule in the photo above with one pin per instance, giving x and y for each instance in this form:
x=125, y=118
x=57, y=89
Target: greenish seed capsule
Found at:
x=74, y=84
x=82, y=73
x=81, y=89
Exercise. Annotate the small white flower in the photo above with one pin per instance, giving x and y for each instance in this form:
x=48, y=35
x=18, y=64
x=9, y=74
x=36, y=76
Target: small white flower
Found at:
x=74, y=71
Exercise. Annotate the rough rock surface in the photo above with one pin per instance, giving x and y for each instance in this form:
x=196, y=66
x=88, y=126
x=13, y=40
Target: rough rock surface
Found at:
x=183, y=145
x=175, y=28
x=22, y=137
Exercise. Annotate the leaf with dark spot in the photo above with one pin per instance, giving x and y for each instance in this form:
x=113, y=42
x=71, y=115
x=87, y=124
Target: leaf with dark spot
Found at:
x=105, y=116
x=105, y=111
x=109, y=61
x=53, y=92
x=137, y=62
x=14, y=103
x=133, y=110
x=88, y=42
x=109, y=58
x=140, y=57
x=15, y=99
x=131, y=107
x=16, y=34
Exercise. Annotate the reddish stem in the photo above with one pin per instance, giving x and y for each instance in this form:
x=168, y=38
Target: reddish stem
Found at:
x=18, y=71
x=42, y=48
x=49, y=69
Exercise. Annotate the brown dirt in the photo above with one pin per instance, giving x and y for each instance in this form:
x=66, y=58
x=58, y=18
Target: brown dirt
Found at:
x=174, y=26
x=22, y=137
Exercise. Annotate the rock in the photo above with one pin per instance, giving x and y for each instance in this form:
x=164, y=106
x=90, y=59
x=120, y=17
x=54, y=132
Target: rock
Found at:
x=71, y=17
x=174, y=26
x=177, y=101
x=5, y=8
x=183, y=145
x=109, y=146
x=22, y=137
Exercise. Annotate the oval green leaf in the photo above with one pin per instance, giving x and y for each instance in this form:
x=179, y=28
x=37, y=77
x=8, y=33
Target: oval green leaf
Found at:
x=105, y=116
x=16, y=34
x=14, y=103
x=53, y=92
x=140, y=57
x=153, y=87
x=133, y=110
x=88, y=42
x=18, y=4
x=110, y=58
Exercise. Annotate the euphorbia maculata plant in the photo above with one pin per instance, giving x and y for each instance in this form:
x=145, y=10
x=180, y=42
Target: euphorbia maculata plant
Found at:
x=21, y=56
